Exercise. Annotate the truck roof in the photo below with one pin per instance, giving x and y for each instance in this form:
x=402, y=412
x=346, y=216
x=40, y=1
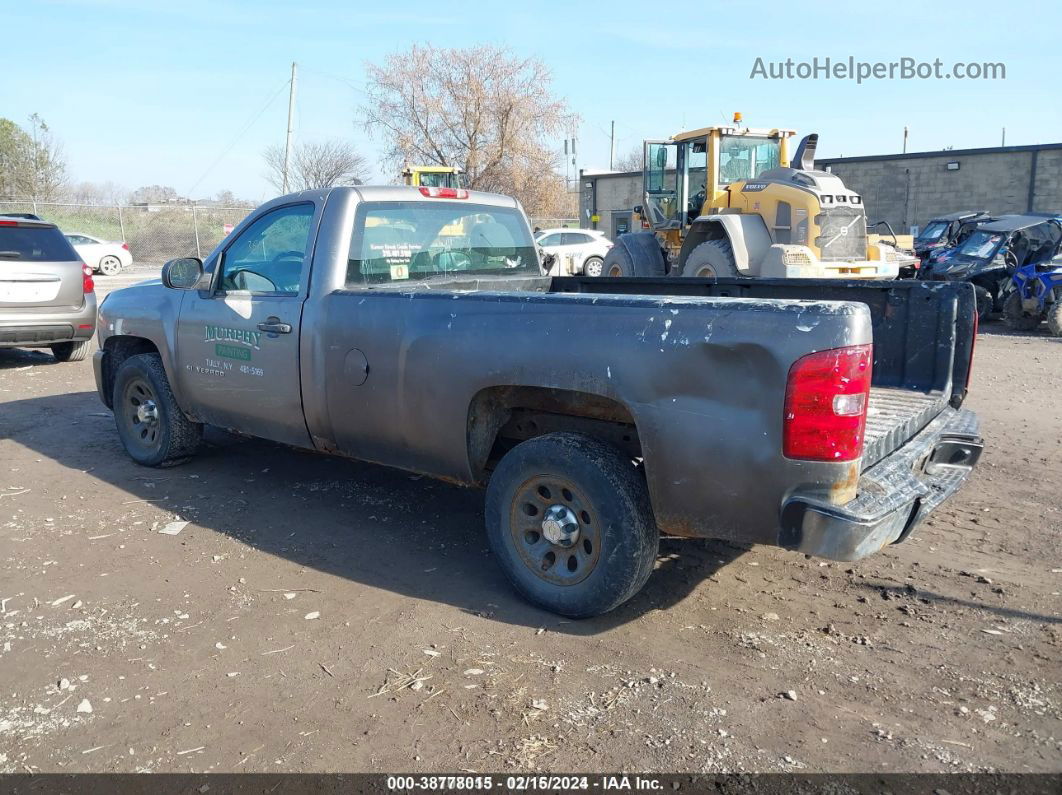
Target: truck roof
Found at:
x=398, y=193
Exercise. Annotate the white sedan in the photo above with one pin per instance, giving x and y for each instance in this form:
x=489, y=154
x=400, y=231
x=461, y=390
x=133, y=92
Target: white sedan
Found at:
x=577, y=250
x=102, y=256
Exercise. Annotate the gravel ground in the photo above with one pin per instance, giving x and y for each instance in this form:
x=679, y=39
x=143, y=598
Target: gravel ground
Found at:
x=323, y=615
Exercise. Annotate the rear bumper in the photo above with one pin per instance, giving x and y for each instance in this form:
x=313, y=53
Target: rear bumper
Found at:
x=38, y=329
x=894, y=495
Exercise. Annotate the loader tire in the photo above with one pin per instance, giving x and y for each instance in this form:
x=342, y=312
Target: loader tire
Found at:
x=712, y=259
x=1016, y=318
x=618, y=262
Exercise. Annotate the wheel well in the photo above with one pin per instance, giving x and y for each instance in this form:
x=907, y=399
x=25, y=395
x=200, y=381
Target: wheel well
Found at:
x=119, y=348
x=697, y=234
x=501, y=417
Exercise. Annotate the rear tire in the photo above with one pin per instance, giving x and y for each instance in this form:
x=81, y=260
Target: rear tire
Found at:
x=593, y=267
x=150, y=424
x=712, y=259
x=569, y=519
x=1016, y=317
x=1054, y=317
x=110, y=266
x=618, y=262
x=70, y=351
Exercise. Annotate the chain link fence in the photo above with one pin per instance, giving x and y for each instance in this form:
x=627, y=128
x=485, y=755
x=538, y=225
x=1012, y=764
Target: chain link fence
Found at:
x=554, y=223
x=154, y=233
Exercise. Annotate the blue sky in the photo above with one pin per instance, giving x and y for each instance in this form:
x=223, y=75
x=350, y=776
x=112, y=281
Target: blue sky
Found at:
x=162, y=93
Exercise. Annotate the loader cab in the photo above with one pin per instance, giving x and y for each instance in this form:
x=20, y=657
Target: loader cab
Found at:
x=432, y=176
x=692, y=171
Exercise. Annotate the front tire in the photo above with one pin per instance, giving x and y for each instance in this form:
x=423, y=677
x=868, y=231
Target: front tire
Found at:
x=70, y=351
x=1015, y=316
x=110, y=266
x=150, y=424
x=712, y=259
x=985, y=303
x=593, y=267
x=569, y=519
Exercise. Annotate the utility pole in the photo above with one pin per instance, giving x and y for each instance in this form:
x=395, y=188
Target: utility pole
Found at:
x=905, y=139
x=1004, y=141
x=612, y=147
x=291, y=130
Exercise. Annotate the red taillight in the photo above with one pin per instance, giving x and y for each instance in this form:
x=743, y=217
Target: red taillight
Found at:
x=87, y=285
x=973, y=344
x=125, y=246
x=826, y=400
x=444, y=193
x=8, y=223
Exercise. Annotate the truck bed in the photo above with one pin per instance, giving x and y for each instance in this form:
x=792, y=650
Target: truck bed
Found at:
x=923, y=339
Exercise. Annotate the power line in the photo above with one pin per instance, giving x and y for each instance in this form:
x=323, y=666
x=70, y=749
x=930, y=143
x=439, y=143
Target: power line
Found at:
x=239, y=135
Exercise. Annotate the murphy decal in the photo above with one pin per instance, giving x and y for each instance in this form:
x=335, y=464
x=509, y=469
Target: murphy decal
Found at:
x=237, y=335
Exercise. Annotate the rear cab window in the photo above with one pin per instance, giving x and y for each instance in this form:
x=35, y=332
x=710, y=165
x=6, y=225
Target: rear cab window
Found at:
x=418, y=241
x=34, y=244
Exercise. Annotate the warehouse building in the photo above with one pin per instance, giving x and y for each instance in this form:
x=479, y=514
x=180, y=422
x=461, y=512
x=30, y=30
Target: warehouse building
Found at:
x=904, y=189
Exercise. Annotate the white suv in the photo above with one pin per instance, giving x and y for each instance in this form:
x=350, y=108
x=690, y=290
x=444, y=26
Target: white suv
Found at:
x=577, y=250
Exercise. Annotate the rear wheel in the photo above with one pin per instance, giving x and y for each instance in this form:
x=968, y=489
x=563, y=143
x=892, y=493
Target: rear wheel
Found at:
x=593, y=266
x=712, y=259
x=110, y=266
x=1054, y=317
x=1015, y=316
x=150, y=424
x=618, y=262
x=70, y=351
x=569, y=520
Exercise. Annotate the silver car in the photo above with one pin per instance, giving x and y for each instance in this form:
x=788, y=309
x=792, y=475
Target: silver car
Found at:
x=47, y=297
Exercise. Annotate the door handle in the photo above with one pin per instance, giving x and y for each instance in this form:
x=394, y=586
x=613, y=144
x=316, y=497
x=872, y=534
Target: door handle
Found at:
x=274, y=326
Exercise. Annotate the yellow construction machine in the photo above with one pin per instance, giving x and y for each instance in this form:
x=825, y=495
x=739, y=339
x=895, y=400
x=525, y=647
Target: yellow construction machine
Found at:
x=432, y=176
x=726, y=201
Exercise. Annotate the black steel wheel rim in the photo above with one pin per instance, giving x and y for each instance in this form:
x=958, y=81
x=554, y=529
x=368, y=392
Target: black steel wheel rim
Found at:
x=555, y=530
x=140, y=413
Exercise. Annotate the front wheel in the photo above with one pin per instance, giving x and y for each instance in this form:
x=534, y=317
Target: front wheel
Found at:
x=569, y=519
x=150, y=424
x=1015, y=316
x=712, y=259
x=985, y=303
x=110, y=266
x=593, y=266
x=1054, y=317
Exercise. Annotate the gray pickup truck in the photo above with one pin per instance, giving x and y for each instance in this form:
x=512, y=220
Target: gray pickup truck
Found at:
x=414, y=328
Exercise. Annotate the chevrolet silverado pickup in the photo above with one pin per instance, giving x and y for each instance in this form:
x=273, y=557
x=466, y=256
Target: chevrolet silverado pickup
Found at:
x=415, y=328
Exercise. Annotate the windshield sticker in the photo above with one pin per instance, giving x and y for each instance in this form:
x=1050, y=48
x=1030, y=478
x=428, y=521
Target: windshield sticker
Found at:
x=237, y=335
x=399, y=271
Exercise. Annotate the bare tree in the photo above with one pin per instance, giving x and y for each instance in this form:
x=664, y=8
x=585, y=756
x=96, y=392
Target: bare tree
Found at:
x=96, y=193
x=156, y=194
x=482, y=108
x=316, y=164
x=632, y=161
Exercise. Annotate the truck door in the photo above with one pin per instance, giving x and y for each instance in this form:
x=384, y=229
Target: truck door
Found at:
x=238, y=342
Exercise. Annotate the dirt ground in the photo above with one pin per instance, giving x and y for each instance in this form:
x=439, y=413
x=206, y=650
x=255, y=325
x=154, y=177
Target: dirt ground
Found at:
x=323, y=615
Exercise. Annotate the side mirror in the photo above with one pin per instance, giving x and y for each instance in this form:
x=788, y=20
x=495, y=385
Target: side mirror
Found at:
x=548, y=261
x=638, y=209
x=183, y=273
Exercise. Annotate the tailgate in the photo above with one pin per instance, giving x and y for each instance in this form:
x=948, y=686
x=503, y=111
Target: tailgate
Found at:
x=894, y=416
x=38, y=267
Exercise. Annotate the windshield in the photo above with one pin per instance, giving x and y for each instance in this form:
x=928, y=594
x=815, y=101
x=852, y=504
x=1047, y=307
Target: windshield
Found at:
x=399, y=241
x=934, y=230
x=746, y=157
x=981, y=244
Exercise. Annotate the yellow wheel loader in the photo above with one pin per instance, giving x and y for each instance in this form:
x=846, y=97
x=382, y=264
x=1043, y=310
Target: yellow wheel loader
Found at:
x=432, y=176
x=724, y=202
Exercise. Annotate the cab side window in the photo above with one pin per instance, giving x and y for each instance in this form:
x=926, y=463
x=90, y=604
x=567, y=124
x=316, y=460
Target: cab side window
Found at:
x=268, y=256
